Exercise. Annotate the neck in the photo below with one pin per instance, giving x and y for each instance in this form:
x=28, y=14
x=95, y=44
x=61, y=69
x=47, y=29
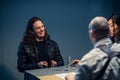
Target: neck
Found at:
x=40, y=39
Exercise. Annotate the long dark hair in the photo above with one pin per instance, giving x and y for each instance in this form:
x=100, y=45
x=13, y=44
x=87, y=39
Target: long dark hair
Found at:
x=29, y=35
x=116, y=20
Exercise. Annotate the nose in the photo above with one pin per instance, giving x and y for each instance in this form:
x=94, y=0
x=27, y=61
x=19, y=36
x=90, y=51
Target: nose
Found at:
x=41, y=29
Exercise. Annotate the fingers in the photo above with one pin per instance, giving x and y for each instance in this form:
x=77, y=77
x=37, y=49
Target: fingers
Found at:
x=42, y=64
x=75, y=61
x=53, y=63
x=45, y=63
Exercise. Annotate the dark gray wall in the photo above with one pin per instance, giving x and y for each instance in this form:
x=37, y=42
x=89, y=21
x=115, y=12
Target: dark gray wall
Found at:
x=1, y=54
x=116, y=6
x=66, y=22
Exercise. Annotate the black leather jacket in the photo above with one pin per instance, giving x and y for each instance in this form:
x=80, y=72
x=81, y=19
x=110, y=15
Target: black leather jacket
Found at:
x=28, y=55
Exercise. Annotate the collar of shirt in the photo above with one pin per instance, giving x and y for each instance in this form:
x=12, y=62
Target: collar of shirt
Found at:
x=118, y=41
x=104, y=41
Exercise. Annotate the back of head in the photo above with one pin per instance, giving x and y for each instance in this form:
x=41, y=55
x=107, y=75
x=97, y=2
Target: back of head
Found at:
x=99, y=26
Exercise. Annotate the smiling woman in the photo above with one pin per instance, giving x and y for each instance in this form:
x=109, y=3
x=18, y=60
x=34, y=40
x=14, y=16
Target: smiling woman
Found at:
x=39, y=29
x=37, y=50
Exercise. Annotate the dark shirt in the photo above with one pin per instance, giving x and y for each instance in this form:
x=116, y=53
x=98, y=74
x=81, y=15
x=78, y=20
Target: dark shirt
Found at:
x=43, y=52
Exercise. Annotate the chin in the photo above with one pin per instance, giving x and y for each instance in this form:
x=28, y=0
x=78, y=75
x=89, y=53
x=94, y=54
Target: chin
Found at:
x=41, y=35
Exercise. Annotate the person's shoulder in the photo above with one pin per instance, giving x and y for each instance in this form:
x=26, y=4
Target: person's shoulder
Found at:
x=91, y=53
x=93, y=57
x=51, y=41
x=116, y=47
x=95, y=53
x=22, y=44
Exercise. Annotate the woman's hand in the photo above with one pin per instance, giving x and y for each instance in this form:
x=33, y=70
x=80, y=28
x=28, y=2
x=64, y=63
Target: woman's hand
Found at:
x=43, y=64
x=53, y=63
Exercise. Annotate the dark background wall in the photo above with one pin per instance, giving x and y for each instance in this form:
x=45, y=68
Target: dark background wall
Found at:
x=66, y=22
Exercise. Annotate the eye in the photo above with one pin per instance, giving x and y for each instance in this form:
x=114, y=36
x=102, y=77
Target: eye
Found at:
x=42, y=26
x=36, y=28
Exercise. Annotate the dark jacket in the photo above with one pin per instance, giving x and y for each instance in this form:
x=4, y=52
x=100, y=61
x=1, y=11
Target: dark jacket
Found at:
x=28, y=55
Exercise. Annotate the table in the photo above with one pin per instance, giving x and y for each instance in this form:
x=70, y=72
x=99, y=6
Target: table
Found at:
x=49, y=73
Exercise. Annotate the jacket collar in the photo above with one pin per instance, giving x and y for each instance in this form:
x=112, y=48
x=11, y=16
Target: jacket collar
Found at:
x=104, y=41
x=118, y=41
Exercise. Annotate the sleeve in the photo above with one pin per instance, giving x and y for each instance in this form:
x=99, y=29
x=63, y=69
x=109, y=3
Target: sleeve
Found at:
x=83, y=72
x=58, y=57
x=22, y=62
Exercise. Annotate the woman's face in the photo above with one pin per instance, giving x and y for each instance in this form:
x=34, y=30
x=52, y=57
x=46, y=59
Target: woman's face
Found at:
x=113, y=28
x=39, y=28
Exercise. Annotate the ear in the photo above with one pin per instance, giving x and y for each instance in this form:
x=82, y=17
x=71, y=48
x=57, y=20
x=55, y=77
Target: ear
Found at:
x=92, y=34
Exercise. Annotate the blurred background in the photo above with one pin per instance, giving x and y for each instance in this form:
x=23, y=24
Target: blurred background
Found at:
x=66, y=22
